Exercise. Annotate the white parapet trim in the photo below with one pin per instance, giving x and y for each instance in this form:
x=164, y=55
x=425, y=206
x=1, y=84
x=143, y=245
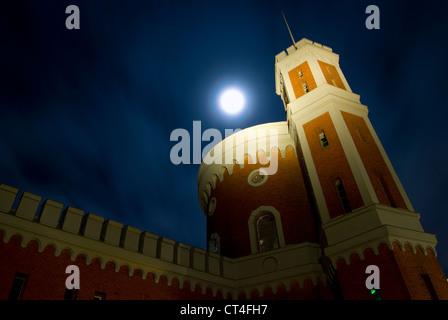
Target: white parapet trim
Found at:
x=92, y=226
x=71, y=220
x=111, y=232
x=148, y=243
x=130, y=238
x=369, y=226
x=7, y=196
x=51, y=212
x=28, y=206
x=165, y=249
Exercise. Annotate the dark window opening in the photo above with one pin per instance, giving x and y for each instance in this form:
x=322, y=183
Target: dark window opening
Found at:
x=267, y=233
x=360, y=135
x=430, y=286
x=343, y=196
x=323, y=139
x=285, y=97
x=18, y=286
x=386, y=191
x=71, y=294
x=300, y=74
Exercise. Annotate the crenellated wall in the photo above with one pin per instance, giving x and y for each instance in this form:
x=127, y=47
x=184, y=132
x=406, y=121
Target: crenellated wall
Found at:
x=68, y=229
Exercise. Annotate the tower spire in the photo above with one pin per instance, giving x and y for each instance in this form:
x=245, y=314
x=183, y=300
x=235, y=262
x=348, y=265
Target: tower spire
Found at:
x=293, y=42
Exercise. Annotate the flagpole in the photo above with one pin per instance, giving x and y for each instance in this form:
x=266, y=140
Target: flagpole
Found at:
x=293, y=42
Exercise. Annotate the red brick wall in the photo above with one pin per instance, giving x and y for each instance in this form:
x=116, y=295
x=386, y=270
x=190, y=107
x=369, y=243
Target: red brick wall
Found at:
x=413, y=265
x=331, y=163
x=399, y=274
x=47, y=276
x=47, y=279
x=352, y=277
x=331, y=74
x=236, y=200
x=309, y=291
x=373, y=162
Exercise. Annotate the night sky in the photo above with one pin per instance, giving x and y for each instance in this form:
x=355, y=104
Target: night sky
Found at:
x=86, y=115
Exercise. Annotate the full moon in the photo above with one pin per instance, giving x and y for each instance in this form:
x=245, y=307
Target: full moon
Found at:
x=232, y=101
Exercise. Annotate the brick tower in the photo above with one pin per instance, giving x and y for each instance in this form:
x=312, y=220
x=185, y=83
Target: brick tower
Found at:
x=366, y=217
x=335, y=190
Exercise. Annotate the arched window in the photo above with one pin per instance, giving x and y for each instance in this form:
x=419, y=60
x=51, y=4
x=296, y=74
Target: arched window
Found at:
x=343, y=196
x=267, y=233
x=265, y=229
x=214, y=243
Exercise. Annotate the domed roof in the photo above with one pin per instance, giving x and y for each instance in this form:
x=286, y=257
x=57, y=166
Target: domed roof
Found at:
x=235, y=148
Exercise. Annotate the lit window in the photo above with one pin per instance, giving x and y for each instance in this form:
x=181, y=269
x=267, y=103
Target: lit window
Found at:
x=323, y=139
x=267, y=233
x=18, y=286
x=343, y=196
x=300, y=74
x=305, y=88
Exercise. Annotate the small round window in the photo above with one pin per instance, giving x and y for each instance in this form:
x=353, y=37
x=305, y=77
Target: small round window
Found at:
x=257, y=177
x=211, y=206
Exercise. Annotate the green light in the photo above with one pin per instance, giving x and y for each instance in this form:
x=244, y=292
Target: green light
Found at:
x=372, y=291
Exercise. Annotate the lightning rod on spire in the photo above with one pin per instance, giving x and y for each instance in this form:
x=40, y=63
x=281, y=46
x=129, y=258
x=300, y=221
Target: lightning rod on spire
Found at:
x=293, y=42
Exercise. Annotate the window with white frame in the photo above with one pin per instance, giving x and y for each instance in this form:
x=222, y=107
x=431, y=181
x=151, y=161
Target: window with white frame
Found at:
x=265, y=229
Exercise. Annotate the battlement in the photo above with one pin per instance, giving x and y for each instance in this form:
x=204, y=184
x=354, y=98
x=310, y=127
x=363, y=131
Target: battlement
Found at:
x=297, y=46
x=304, y=51
x=51, y=223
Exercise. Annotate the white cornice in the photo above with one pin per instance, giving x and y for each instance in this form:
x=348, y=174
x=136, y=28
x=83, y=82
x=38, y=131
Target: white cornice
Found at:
x=369, y=226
